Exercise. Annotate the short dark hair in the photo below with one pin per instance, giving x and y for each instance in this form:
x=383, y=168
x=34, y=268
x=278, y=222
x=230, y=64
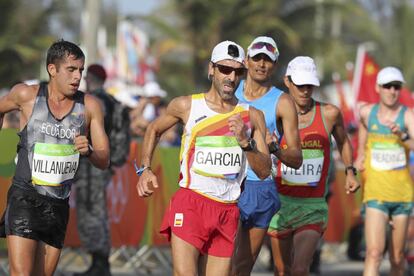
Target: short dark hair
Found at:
x=61, y=49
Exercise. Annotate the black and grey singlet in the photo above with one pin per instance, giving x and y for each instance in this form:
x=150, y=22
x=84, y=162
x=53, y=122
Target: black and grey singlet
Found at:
x=47, y=159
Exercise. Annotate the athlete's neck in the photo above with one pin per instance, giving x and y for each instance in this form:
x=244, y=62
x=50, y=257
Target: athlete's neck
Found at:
x=303, y=110
x=54, y=95
x=388, y=112
x=219, y=104
x=253, y=89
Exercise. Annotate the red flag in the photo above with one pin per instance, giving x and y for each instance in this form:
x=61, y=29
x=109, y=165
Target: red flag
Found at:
x=366, y=81
x=347, y=112
x=406, y=97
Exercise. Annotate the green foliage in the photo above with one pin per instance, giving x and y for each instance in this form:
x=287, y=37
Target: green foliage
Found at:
x=396, y=43
x=25, y=34
x=329, y=30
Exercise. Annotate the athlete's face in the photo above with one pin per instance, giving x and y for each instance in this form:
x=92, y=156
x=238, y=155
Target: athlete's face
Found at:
x=260, y=67
x=302, y=94
x=67, y=74
x=389, y=93
x=226, y=76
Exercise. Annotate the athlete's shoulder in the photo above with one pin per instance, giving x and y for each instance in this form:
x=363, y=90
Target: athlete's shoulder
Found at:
x=285, y=97
x=255, y=113
x=329, y=111
x=364, y=109
x=179, y=107
x=90, y=98
x=276, y=90
x=182, y=101
x=23, y=92
x=285, y=100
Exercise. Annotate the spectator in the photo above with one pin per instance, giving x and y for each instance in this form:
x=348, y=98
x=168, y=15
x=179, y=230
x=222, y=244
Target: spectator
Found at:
x=148, y=108
x=91, y=183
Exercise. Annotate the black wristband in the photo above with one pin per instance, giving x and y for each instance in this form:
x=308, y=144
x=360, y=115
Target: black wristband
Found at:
x=405, y=136
x=354, y=170
x=90, y=150
x=251, y=145
x=273, y=147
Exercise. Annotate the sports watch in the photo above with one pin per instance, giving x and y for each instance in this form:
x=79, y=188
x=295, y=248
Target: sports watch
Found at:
x=251, y=145
x=90, y=150
x=405, y=136
x=354, y=170
x=273, y=147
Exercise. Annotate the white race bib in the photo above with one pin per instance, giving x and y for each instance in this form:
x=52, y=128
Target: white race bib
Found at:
x=309, y=174
x=217, y=156
x=387, y=156
x=53, y=164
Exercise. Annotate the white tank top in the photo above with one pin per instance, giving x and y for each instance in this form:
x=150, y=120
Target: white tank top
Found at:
x=212, y=162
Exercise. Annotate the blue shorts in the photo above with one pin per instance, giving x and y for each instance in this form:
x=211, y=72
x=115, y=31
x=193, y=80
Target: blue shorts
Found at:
x=390, y=208
x=258, y=203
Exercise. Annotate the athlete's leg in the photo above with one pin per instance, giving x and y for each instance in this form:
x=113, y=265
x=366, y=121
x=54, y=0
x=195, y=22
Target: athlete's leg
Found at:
x=304, y=246
x=248, y=245
x=397, y=244
x=212, y=265
x=282, y=254
x=21, y=253
x=185, y=257
x=46, y=259
x=375, y=230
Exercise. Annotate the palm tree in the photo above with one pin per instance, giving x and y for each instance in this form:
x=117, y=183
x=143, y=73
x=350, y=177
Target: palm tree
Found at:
x=25, y=36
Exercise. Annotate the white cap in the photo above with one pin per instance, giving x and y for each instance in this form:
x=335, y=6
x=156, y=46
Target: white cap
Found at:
x=252, y=51
x=302, y=71
x=389, y=74
x=227, y=50
x=153, y=89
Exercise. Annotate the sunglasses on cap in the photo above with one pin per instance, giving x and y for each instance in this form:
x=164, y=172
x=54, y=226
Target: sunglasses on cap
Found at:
x=397, y=86
x=260, y=45
x=227, y=70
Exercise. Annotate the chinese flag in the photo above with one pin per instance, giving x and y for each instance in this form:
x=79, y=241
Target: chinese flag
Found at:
x=367, y=82
x=368, y=79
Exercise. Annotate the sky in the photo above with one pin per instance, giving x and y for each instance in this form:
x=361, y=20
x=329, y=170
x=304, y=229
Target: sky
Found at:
x=135, y=6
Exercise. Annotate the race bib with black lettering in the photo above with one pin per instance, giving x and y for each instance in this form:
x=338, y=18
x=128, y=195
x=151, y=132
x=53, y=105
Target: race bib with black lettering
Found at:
x=387, y=156
x=217, y=156
x=309, y=174
x=53, y=164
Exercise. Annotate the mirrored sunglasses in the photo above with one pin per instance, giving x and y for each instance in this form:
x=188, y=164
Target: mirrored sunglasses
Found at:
x=260, y=45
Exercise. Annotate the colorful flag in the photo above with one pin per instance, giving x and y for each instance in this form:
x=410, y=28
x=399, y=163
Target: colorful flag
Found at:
x=365, y=80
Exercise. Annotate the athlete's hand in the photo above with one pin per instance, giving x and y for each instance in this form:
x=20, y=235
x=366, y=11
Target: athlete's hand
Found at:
x=395, y=129
x=146, y=183
x=81, y=144
x=238, y=128
x=351, y=183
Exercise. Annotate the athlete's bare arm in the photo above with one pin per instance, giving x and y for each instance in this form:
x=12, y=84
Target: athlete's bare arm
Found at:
x=362, y=135
x=177, y=110
x=286, y=113
x=259, y=159
x=335, y=120
x=409, y=124
x=21, y=97
x=99, y=139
